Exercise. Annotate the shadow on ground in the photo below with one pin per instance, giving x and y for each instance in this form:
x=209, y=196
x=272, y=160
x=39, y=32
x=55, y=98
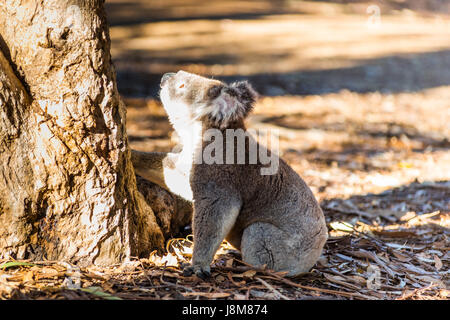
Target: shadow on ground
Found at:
x=394, y=205
x=392, y=74
x=133, y=12
x=365, y=140
x=127, y=13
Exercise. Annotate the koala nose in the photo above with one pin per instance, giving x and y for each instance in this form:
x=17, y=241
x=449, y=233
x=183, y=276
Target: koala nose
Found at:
x=166, y=77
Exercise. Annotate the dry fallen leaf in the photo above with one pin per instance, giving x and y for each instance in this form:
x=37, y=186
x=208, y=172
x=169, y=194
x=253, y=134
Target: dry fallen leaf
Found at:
x=437, y=263
x=341, y=281
x=249, y=273
x=210, y=295
x=49, y=271
x=168, y=259
x=401, y=257
x=28, y=276
x=246, y=274
x=341, y=226
x=444, y=293
x=395, y=234
x=220, y=278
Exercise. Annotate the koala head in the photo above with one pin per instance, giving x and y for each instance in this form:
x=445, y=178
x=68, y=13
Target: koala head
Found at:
x=188, y=97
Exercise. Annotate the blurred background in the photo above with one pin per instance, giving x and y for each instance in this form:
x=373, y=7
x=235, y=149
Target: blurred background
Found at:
x=359, y=90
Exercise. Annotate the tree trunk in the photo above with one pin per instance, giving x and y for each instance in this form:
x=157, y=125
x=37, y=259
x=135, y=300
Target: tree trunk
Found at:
x=67, y=186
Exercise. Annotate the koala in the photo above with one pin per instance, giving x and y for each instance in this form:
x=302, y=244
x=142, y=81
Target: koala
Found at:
x=273, y=219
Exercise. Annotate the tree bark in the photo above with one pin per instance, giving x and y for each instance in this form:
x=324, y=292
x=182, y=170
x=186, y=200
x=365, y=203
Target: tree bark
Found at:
x=67, y=185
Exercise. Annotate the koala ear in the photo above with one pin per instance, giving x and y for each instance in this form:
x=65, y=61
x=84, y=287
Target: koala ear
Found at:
x=214, y=91
x=231, y=103
x=239, y=99
x=245, y=94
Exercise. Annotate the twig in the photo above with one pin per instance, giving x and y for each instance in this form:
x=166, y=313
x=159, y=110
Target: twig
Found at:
x=275, y=276
x=335, y=292
x=176, y=285
x=424, y=216
x=416, y=291
x=275, y=291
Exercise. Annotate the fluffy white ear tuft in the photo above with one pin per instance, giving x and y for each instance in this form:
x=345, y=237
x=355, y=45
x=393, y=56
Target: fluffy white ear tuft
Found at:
x=233, y=102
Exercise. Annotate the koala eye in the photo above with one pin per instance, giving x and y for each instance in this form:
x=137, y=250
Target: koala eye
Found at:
x=181, y=86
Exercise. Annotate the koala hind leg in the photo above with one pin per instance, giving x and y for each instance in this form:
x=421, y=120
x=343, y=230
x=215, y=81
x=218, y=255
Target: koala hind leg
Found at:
x=265, y=244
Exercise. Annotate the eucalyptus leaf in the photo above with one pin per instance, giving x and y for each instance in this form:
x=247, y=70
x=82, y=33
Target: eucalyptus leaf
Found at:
x=341, y=226
x=12, y=264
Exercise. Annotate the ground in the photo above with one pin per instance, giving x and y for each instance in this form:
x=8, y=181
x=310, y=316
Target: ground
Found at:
x=361, y=107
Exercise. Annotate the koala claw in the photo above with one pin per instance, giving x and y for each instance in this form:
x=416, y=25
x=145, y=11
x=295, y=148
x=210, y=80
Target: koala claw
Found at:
x=201, y=272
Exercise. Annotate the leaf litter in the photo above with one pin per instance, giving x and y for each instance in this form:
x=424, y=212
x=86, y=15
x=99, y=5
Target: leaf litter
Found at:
x=360, y=261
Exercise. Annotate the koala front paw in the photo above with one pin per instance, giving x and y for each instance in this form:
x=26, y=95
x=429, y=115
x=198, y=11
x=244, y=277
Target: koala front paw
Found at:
x=199, y=271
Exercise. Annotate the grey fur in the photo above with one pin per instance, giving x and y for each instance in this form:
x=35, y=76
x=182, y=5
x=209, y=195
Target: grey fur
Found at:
x=274, y=220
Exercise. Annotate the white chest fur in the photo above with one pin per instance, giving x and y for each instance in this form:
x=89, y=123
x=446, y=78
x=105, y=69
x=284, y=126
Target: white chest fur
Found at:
x=177, y=178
